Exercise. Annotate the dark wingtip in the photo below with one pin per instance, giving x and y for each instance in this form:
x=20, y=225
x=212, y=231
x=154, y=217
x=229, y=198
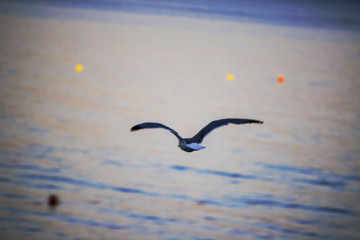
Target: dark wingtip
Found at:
x=134, y=128
x=257, y=121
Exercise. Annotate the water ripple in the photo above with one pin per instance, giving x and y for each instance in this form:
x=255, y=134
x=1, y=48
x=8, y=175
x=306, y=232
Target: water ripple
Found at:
x=29, y=167
x=16, y=196
x=157, y=219
x=327, y=179
x=291, y=231
x=218, y=173
x=70, y=219
x=226, y=202
x=319, y=224
x=267, y=202
x=308, y=171
x=30, y=229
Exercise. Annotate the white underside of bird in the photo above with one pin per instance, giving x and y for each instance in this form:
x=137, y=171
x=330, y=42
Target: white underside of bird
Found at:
x=190, y=147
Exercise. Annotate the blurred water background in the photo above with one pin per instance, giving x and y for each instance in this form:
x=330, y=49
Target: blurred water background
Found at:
x=67, y=133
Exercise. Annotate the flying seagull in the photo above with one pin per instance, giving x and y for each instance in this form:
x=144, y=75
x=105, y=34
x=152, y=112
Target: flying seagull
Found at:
x=193, y=144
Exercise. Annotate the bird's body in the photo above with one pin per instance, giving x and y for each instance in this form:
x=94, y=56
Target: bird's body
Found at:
x=190, y=147
x=193, y=144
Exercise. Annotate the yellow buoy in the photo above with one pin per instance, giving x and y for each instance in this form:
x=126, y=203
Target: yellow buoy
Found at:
x=230, y=77
x=79, y=68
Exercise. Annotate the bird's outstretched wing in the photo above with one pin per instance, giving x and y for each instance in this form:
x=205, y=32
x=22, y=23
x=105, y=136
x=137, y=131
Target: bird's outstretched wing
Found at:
x=219, y=123
x=154, y=125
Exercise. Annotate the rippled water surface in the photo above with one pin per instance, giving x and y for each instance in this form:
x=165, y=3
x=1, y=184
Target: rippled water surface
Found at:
x=67, y=133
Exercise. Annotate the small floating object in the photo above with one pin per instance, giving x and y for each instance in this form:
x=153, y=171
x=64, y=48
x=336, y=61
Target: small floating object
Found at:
x=230, y=77
x=79, y=68
x=53, y=200
x=281, y=79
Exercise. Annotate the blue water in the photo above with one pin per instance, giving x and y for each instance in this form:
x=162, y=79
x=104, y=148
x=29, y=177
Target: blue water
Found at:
x=51, y=178
x=318, y=14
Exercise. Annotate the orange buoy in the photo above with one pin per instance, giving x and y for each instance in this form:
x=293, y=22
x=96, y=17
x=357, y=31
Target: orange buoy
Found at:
x=281, y=79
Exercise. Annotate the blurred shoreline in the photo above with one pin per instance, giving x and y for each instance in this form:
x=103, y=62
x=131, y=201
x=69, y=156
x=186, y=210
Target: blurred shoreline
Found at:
x=178, y=21
x=334, y=15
